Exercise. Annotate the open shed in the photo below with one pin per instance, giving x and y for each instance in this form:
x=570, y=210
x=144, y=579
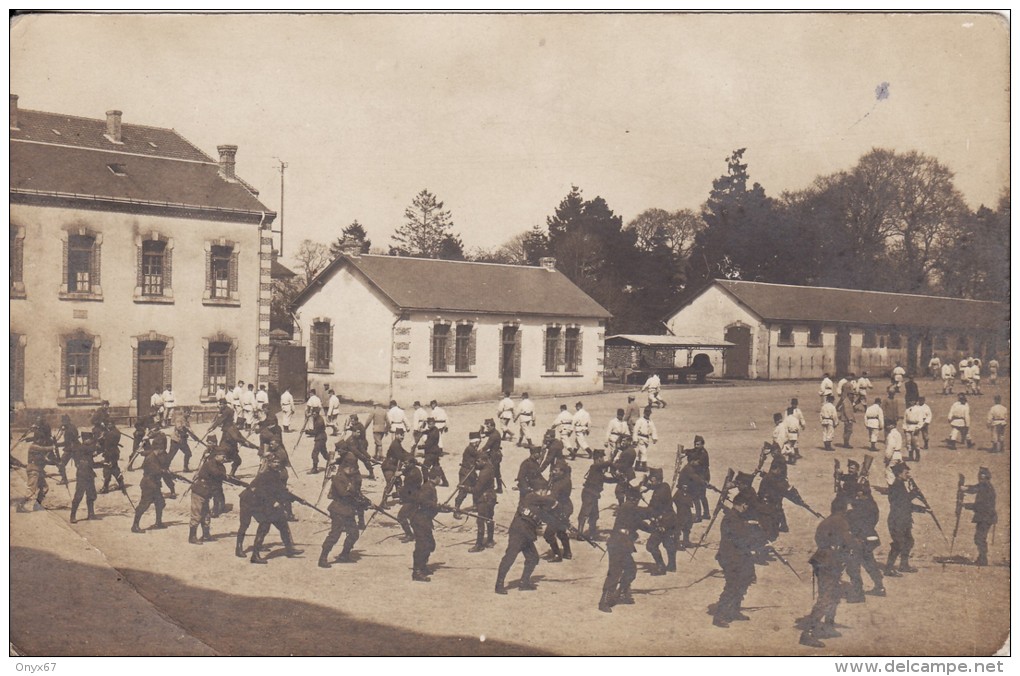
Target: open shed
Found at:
x=633, y=357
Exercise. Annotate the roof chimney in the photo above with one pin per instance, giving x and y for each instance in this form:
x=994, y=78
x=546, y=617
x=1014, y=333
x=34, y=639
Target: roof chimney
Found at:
x=547, y=262
x=113, y=125
x=227, y=154
x=14, y=111
x=350, y=246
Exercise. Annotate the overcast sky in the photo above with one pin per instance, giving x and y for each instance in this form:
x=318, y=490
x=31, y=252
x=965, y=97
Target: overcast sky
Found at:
x=499, y=115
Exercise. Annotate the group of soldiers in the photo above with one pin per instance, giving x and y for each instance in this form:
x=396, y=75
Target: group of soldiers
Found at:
x=753, y=517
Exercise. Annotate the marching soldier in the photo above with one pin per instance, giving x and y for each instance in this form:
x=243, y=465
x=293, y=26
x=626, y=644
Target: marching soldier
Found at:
x=563, y=424
x=834, y=542
x=959, y=422
x=582, y=426
x=662, y=523
x=998, y=416
x=531, y=511
x=153, y=471
x=505, y=415
x=264, y=500
x=829, y=419
x=483, y=495
x=594, y=480
x=560, y=486
x=985, y=515
x=630, y=518
x=287, y=408
x=740, y=537
x=913, y=421
x=524, y=415
x=901, y=521
x=874, y=422
x=84, y=452
x=208, y=483
x=346, y=503
x=644, y=437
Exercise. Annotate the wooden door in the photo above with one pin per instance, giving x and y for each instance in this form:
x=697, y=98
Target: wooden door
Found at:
x=150, y=373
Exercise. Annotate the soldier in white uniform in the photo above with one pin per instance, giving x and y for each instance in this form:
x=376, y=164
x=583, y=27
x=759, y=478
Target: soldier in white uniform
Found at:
x=618, y=429
x=563, y=423
x=863, y=385
x=524, y=415
x=287, y=408
x=505, y=416
x=644, y=436
x=779, y=435
x=652, y=386
x=261, y=404
x=248, y=405
x=975, y=375
x=926, y=418
x=442, y=421
x=825, y=389
x=221, y=394
x=313, y=404
x=793, y=427
x=898, y=374
x=156, y=403
x=169, y=404
x=582, y=427
x=993, y=371
x=421, y=421
x=998, y=417
x=965, y=374
x=893, y=450
x=841, y=385
x=235, y=401
x=959, y=422
x=874, y=421
x=829, y=418
x=935, y=366
x=913, y=421
x=333, y=412
x=948, y=378
x=798, y=414
x=396, y=419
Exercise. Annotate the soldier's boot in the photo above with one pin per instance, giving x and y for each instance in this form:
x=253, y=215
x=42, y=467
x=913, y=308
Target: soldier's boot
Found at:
x=239, y=546
x=526, y=583
x=499, y=485
x=324, y=557
x=193, y=536
x=565, y=542
x=73, y=517
x=606, y=602
x=554, y=552
x=288, y=541
x=855, y=595
x=982, y=559
x=877, y=590
x=479, y=545
x=345, y=552
x=106, y=486
x=159, y=520
x=952, y=445
x=136, y=527
x=660, y=566
x=500, y=585
x=625, y=597
x=808, y=639
x=420, y=576
x=671, y=560
x=256, y=556
x=186, y=468
x=905, y=566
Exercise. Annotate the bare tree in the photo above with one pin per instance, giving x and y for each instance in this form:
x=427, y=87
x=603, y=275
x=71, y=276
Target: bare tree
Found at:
x=311, y=258
x=674, y=229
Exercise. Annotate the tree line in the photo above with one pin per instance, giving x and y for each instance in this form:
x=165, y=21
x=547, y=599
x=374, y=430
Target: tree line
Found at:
x=893, y=222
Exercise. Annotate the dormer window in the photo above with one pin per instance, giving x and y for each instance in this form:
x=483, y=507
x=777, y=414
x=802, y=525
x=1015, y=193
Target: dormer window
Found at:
x=117, y=169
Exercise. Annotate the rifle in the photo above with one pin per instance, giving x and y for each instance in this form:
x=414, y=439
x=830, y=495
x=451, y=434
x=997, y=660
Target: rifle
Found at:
x=234, y=481
x=301, y=434
x=386, y=491
x=927, y=508
x=836, y=473
x=865, y=468
x=793, y=495
x=381, y=511
x=772, y=550
x=766, y=448
x=331, y=469
x=959, y=511
x=678, y=464
x=727, y=486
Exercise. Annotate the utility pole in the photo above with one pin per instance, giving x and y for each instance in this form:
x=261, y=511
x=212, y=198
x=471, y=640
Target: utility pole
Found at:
x=283, y=168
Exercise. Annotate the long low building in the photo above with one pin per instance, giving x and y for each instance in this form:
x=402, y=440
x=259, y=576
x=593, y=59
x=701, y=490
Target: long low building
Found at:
x=390, y=327
x=782, y=331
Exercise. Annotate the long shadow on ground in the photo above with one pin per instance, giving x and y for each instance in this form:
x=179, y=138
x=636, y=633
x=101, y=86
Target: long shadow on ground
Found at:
x=64, y=608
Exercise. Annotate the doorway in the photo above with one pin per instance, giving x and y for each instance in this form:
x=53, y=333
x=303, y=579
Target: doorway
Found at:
x=151, y=357
x=506, y=361
x=842, y=352
x=738, y=358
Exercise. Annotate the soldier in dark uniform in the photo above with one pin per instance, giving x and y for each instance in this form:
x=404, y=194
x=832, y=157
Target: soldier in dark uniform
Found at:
x=158, y=443
x=529, y=476
x=468, y=460
x=531, y=511
x=101, y=415
x=142, y=426
x=218, y=499
x=557, y=528
x=663, y=523
x=432, y=450
x=346, y=502
x=70, y=439
x=356, y=431
x=264, y=501
x=153, y=471
x=630, y=517
x=984, y=512
x=901, y=521
x=275, y=455
x=269, y=431
x=772, y=490
x=553, y=449
x=318, y=432
x=412, y=480
x=351, y=447
x=740, y=538
x=492, y=447
x=698, y=456
x=394, y=461
x=83, y=452
x=835, y=542
x=483, y=494
x=232, y=440
x=683, y=505
x=594, y=480
x=109, y=440
x=179, y=435
x=207, y=483
x=426, y=506
x=623, y=467
x=863, y=517
x=40, y=454
x=847, y=482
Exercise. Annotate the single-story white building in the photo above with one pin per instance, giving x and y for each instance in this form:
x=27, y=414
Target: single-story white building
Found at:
x=781, y=331
x=390, y=327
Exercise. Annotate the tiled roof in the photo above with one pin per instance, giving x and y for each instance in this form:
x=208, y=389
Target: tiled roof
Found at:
x=458, y=286
x=154, y=166
x=780, y=302
x=624, y=339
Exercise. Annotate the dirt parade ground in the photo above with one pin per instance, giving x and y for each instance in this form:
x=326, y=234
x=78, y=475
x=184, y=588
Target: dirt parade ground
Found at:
x=95, y=588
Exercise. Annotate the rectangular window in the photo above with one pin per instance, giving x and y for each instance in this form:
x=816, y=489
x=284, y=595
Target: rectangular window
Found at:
x=440, y=340
x=870, y=338
x=941, y=342
x=962, y=343
x=322, y=345
x=552, y=346
x=17, y=285
x=79, y=263
x=79, y=365
x=219, y=271
x=463, y=348
x=219, y=360
x=785, y=335
x=153, y=264
x=571, y=351
x=814, y=336
x=895, y=341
